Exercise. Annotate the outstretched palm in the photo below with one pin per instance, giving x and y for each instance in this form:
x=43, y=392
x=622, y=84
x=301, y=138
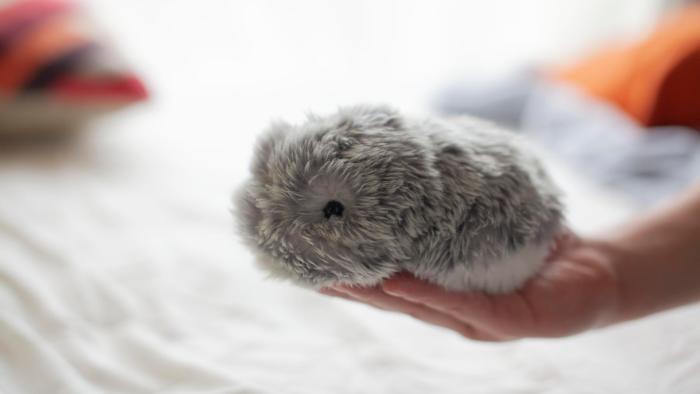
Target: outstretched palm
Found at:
x=574, y=292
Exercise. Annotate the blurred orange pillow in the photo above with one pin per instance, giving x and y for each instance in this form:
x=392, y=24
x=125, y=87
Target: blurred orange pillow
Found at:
x=656, y=81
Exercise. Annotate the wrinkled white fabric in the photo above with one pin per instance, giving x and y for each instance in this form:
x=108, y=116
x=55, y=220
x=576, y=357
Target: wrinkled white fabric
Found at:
x=119, y=271
x=114, y=279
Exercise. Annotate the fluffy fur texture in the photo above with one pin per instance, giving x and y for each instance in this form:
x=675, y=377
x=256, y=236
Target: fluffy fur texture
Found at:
x=357, y=196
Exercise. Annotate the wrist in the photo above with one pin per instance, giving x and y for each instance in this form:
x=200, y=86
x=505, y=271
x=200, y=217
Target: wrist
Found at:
x=653, y=271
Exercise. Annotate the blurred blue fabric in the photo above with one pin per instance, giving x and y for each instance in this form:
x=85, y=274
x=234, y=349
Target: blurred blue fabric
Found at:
x=594, y=137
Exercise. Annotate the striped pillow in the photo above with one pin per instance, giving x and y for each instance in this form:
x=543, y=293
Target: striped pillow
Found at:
x=54, y=75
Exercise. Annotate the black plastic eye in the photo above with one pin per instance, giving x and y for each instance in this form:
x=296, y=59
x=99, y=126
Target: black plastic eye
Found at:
x=333, y=208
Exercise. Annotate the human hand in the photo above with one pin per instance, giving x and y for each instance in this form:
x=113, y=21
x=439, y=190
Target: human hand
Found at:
x=576, y=290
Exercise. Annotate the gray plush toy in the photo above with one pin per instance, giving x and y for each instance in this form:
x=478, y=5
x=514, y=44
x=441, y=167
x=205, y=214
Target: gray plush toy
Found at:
x=360, y=195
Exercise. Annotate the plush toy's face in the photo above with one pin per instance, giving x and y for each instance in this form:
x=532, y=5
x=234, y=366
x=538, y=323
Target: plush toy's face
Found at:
x=333, y=201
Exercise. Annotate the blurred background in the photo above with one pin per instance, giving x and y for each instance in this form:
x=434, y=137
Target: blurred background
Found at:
x=119, y=271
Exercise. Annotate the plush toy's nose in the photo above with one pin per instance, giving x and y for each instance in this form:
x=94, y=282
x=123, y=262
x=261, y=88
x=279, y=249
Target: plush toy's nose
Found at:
x=333, y=208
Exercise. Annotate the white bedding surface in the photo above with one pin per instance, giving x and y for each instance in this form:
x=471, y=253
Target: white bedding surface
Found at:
x=119, y=271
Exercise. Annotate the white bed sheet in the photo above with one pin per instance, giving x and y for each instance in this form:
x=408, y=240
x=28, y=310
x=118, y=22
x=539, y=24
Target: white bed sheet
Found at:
x=119, y=271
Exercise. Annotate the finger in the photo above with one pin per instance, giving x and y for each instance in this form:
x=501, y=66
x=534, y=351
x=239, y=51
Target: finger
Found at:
x=334, y=293
x=339, y=294
x=347, y=296
x=376, y=297
x=471, y=308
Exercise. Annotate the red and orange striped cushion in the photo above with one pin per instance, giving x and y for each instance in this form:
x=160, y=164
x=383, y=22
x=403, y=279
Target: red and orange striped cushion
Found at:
x=53, y=72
